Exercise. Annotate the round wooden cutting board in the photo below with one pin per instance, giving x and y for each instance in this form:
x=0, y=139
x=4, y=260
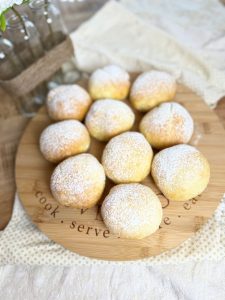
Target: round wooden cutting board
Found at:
x=83, y=231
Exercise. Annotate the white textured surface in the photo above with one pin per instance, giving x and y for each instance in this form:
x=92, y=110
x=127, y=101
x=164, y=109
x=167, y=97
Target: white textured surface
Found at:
x=187, y=281
x=191, y=23
x=183, y=273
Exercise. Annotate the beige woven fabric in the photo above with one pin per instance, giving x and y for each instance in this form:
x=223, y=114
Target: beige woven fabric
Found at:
x=117, y=35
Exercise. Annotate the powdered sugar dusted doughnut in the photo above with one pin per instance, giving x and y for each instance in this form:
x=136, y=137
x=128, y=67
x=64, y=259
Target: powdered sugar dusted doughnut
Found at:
x=127, y=158
x=152, y=88
x=109, y=82
x=63, y=139
x=132, y=211
x=181, y=172
x=107, y=118
x=78, y=181
x=167, y=125
x=68, y=102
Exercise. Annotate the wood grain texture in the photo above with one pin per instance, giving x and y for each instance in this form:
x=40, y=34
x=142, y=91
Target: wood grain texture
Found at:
x=83, y=231
x=220, y=111
x=11, y=128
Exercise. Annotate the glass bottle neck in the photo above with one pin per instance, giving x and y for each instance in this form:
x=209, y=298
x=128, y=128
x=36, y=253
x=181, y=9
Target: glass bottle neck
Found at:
x=39, y=5
x=15, y=21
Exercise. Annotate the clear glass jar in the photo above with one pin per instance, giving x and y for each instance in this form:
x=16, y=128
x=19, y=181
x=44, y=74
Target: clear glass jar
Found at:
x=75, y=12
x=29, y=104
x=28, y=48
x=10, y=65
x=47, y=18
x=25, y=38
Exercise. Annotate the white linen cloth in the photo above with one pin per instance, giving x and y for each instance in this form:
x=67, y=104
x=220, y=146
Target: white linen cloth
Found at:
x=188, y=281
x=117, y=35
x=198, y=25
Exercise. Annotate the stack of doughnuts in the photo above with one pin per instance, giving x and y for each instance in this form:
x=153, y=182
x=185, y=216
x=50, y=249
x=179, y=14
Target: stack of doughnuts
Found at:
x=106, y=112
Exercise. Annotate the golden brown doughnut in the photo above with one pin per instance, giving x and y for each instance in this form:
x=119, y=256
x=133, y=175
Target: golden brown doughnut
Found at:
x=127, y=158
x=151, y=88
x=181, y=172
x=109, y=82
x=132, y=211
x=78, y=181
x=68, y=102
x=108, y=118
x=167, y=125
x=63, y=139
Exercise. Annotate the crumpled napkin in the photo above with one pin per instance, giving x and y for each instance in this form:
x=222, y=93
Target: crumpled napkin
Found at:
x=116, y=35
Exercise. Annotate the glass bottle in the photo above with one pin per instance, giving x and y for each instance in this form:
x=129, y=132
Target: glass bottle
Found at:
x=25, y=38
x=28, y=49
x=47, y=18
x=29, y=104
x=10, y=65
x=75, y=12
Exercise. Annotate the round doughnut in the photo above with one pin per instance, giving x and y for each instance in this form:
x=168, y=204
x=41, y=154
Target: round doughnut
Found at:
x=152, y=88
x=108, y=118
x=181, y=172
x=127, y=158
x=63, y=139
x=132, y=211
x=68, y=102
x=78, y=181
x=167, y=125
x=109, y=82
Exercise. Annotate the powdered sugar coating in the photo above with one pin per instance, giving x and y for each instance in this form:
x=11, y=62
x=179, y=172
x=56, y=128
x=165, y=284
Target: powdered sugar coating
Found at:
x=109, y=82
x=68, y=102
x=181, y=172
x=132, y=211
x=151, y=88
x=167, y=125
x=78, y=181
x=127, y=158
x=112, y=72
x=107, y=118
x=63, y=139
